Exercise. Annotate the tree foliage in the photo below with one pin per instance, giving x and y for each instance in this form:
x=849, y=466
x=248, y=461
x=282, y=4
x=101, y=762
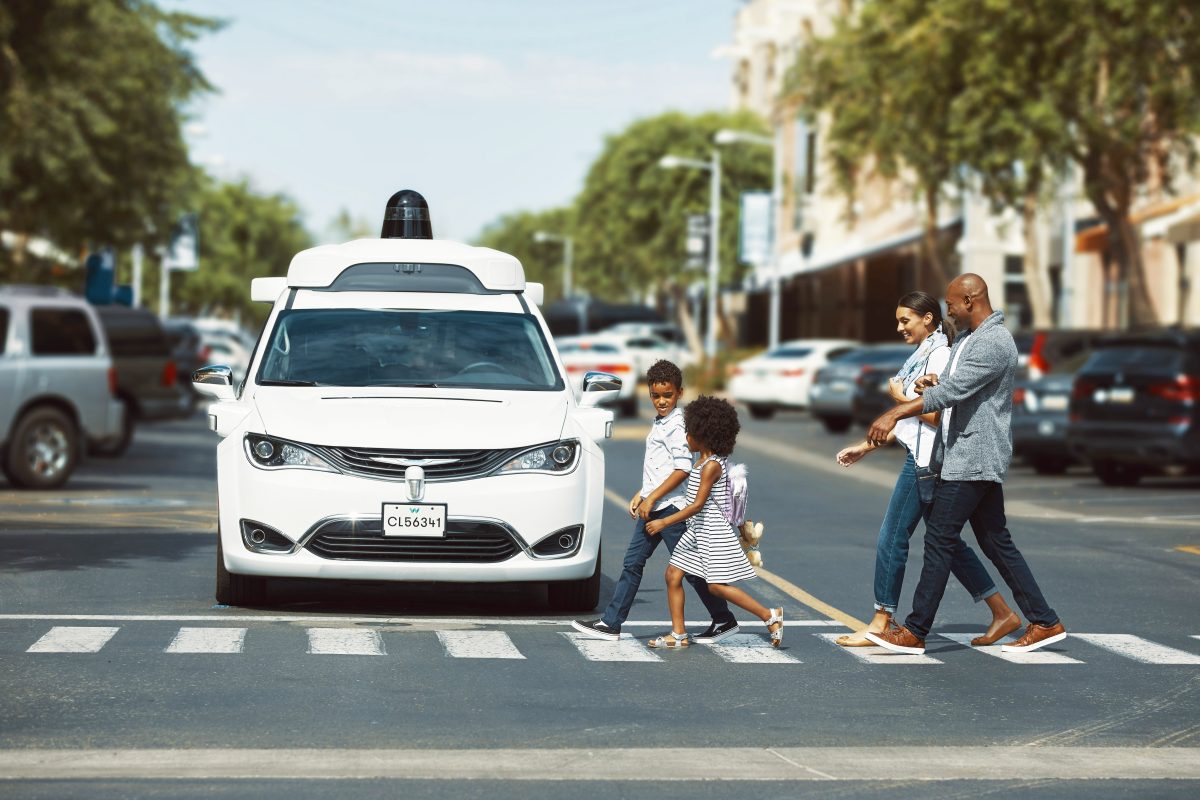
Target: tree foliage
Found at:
x=543, y=261
x=630, y=217
x=91, y=109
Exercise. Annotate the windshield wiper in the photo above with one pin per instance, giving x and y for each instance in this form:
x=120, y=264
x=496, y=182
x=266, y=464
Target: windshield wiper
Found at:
x=270, y=382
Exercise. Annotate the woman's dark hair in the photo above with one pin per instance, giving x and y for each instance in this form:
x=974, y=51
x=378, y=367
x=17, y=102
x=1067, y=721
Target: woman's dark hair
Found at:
x=924, y=303
x=713, y=422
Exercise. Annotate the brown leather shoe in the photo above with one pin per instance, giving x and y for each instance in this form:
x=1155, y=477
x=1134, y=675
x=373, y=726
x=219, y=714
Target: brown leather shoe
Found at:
x=1036, y=636
x=899, y=640
x=997, y=631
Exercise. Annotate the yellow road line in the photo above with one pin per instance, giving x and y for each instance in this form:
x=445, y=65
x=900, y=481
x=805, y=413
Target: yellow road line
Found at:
x=782, y=584
x=1189, y=548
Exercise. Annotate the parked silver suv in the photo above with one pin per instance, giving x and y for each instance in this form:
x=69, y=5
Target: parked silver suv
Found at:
x=56, y=385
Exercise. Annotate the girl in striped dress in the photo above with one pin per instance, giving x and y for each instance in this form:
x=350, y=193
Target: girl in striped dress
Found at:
x=709, y=548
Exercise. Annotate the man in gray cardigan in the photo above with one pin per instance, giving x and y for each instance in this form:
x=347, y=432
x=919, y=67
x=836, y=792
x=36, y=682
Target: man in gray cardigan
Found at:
x=975, y=442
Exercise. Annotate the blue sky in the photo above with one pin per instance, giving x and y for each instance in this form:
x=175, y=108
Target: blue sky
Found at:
x=484, y=107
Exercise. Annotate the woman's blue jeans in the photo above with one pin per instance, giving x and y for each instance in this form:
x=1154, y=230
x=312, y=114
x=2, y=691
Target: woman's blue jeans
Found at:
x=891, y=553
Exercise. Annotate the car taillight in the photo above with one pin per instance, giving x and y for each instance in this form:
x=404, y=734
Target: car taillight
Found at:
x=205, y=354
x=1038, y=366
x=791, y=373
x=169, y=374
x=112, y=381
x=1184, y=389
x=614, y=368
x=1019, y=396
x=1082, y=389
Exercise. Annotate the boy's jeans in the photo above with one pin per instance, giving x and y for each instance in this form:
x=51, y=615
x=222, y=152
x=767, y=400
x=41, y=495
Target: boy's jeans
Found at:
x=641, y=547
x=891, y=552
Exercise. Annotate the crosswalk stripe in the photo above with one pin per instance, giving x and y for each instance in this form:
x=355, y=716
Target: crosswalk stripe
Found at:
x=68, y=639
x=344, y=642
x=208, y=640
x=1138, y=649
x=749, y=648
x=478, y=644
x=877, y=655
x=626, y=649
x=1035, y=657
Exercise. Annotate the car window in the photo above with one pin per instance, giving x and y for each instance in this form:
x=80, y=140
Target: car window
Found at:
x=132, y=335
x=1135, y=358
x=790, y=352
x=871, y=355
x=61, y=332
x=3, y=329
x=644, y=344
x=386, y=347
x=590, y=348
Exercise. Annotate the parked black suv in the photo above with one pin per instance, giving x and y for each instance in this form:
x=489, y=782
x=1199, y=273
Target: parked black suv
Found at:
x=146, y=372
x=1042, y=396
x=1135, y=406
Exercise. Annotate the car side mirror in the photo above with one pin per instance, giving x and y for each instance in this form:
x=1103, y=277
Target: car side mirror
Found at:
x=267, y=290
x=214, y=381
x=599, y=387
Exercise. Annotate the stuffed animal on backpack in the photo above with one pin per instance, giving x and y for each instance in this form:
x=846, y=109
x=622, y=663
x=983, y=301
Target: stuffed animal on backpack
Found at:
x=749, y=532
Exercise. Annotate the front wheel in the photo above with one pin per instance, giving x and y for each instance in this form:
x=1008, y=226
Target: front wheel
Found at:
x=836, y=424
x=43, y=451
x=579, y=595
x=234, y=589
x=1111, y=473
x=761, y=412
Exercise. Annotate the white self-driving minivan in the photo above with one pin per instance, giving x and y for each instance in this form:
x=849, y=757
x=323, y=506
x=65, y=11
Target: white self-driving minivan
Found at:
x=405, y=417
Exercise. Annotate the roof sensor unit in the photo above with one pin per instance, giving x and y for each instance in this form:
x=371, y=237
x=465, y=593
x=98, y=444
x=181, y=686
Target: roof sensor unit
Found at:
x=407, y=217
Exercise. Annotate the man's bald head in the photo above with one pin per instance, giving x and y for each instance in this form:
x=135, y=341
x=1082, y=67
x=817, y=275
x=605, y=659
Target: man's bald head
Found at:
x=967, y=301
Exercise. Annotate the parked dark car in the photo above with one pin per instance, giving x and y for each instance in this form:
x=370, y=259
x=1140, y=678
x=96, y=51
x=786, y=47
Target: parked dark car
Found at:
x=1040, y=352
x=831, y=398
x=871, y=395
x=1135, y=406
x=188, y=350
x=147, y=375
x=1040, y=408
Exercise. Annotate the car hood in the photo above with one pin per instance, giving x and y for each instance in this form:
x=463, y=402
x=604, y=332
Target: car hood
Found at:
x=413, y=419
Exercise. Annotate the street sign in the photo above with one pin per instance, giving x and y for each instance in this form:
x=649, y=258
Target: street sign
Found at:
x=754, y=228
x=184, y=251
x=696, y=242
x=100, y=274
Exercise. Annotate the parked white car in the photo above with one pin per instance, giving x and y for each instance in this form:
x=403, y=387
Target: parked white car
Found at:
x=407, y=418
x=782, y=378
x=596, y=353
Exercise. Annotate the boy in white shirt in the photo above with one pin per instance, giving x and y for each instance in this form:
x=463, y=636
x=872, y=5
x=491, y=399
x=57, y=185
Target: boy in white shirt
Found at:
x=664, y=470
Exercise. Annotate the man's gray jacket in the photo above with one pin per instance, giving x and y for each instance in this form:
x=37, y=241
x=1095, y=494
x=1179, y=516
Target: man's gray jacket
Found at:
x=978, y=444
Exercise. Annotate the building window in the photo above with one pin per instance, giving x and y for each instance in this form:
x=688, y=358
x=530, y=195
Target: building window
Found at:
x=1016, y=293
x=805, y=181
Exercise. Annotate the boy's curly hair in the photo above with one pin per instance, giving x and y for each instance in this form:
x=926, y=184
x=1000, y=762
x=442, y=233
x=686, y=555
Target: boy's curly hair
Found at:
x=663, y=371
x=712, y=422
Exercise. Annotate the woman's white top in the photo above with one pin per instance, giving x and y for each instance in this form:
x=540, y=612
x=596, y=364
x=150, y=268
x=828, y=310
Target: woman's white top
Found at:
x=908, y=430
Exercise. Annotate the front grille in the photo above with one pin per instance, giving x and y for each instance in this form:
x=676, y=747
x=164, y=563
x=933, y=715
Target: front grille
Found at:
x=363, y=540
x=461, y=463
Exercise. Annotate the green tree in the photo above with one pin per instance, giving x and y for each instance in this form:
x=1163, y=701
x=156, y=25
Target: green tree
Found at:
x=630, y=217
x=91, y=104
x=543, y=262
x=243, y=235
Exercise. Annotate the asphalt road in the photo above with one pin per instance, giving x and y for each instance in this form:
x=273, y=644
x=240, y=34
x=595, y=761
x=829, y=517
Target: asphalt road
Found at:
x=111, y=646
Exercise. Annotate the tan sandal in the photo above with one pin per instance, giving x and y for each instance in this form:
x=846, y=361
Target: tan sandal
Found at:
x=776, y=634
x=671, y=641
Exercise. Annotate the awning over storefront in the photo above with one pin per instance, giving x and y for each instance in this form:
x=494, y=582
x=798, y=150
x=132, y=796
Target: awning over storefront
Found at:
x=1095, y=238
x=795, y=263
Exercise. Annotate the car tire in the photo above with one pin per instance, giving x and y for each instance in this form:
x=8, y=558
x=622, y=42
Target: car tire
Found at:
x=573, y=596
x=43, y=450
x=761, y=412
x=234, y=589
x=836, y=424
x=629, y=408
x=1050, y=465
x=116, y=446
x=1112, y=473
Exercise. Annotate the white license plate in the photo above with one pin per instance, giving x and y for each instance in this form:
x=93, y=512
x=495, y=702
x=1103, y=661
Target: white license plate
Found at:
x=1120, y=394
x=414, y=519
x=1055, y=402
x=839, y=386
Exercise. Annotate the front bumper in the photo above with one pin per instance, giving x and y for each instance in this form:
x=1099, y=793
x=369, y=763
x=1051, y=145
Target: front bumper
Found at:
x=296, y=502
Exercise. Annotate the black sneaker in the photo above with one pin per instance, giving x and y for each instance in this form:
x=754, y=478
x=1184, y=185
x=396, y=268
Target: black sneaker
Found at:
x=716, y=632
x=596, y=629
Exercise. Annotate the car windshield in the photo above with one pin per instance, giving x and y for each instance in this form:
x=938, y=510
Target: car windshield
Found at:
x=1135, y=358
x=384, y=347
x=790, y=352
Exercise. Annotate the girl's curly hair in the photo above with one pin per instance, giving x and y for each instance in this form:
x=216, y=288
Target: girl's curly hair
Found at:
x=713, y=422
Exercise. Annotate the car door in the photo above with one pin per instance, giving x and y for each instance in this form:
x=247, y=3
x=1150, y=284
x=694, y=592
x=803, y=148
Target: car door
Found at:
x=64, y=361
x=11, y=371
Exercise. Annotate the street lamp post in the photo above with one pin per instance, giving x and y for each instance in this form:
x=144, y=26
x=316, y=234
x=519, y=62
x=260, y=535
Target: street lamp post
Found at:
x=568, y=244
x=714, y=214
x=727, y=136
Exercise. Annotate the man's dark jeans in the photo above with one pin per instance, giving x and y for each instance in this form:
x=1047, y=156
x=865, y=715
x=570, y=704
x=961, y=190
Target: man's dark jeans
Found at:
x=982, y=504
x=641, y=547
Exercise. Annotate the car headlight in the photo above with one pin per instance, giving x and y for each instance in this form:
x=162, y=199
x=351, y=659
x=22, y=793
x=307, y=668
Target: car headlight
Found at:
x=556, y=457
x=269, y=453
